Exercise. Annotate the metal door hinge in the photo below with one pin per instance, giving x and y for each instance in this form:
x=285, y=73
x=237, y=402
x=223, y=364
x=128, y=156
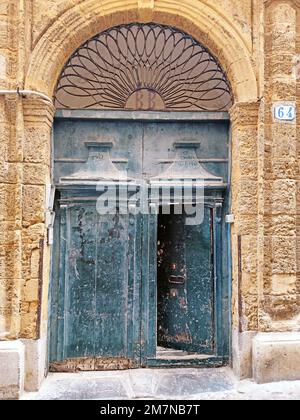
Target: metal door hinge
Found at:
x=50, y=195
x=229, y=218
x=49, y=222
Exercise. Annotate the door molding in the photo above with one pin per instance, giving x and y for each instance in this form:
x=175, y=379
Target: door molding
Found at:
x=144, y=345
x=99, y=114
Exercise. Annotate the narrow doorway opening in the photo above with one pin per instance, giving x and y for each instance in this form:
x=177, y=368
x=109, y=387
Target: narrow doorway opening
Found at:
x=185, y=287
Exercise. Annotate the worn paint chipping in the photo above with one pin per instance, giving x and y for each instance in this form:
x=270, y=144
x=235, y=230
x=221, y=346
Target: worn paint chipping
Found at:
x=124, y=284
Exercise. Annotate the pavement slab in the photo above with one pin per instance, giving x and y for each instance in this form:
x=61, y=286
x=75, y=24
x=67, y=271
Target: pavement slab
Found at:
x=160, y=384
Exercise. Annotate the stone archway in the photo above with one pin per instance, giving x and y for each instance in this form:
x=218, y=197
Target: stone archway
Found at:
x=90, y=17
x=52, y=50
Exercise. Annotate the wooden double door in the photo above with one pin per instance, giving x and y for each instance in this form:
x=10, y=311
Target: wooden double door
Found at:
x=135, y=288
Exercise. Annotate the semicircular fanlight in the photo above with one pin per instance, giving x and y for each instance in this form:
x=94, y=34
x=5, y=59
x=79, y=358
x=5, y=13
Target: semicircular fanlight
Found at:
x=143, y=66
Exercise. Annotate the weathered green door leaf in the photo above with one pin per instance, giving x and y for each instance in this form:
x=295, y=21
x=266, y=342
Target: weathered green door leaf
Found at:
x=124, y=283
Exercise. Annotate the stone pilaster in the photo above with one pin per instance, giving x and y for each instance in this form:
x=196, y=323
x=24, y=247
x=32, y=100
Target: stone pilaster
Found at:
x=38, y=118
x=14, y=49
x=11, y=175
x=244, y=118
x=279, y=300
x=297, y=75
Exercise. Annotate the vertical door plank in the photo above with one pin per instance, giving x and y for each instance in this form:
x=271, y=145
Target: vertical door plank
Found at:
x=111, y=286
x=80, y=282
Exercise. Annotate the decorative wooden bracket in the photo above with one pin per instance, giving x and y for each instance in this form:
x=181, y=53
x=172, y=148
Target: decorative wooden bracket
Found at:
x=145, y=10
x=98, y=166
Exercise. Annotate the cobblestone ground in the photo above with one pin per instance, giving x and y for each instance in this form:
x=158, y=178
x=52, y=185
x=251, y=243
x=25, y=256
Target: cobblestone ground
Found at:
x=166, y=384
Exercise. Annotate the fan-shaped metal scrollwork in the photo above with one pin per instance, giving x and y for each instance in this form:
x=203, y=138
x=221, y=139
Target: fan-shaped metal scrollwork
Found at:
x=143, y=66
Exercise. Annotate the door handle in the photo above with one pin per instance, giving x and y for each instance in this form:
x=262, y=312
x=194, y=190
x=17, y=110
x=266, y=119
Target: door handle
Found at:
x=177, y=279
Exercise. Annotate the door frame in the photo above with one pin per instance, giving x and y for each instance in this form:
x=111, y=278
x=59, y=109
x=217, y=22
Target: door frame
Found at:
x=220, y=355
x=222, y=275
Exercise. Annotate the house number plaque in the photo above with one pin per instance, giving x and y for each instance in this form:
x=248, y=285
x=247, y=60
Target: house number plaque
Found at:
x=284, y=112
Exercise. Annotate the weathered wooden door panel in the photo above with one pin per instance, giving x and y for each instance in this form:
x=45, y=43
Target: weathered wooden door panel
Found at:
x=160, y=137
x=185, y=284
x=80, y=309
x=70, y=152
x=149, y=288
x=97, y=289
x=111, y=286
x=114, y=298
x=200, y=283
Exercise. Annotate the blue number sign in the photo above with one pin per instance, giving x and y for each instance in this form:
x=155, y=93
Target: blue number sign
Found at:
x=285, y=112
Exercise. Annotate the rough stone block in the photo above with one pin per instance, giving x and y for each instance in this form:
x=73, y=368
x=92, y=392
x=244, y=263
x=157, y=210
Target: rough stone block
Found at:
x=7, y=233
x=283, y=284
x=284, y=89
x=284, y=255
x=3, y=66
x=36, y=148
x=9, y=262
x=247, y=197
x=249, y=254
x=35, y=358
x=246, y=139
x=284, y=141
x=281, y=197
x=246, y=224
x=280, y=225
x=285, y=168
x=249, y=319
x=276, y=357
x=33, y=204
x=35, y=173
x=11, y=369
x=242, y=353
x=29, y=321
x=282, y=307
x=31, y=290
x=283, y=15
x=249, y=283
x=10, y=173
x=35, y=263
x=248, y=168
x=7, y=200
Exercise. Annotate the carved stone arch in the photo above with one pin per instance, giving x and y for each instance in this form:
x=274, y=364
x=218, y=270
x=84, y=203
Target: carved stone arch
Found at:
x=84, y=20
x=143, y=66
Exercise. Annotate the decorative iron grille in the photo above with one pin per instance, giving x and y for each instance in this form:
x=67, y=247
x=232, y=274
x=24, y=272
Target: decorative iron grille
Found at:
x=143, y=66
